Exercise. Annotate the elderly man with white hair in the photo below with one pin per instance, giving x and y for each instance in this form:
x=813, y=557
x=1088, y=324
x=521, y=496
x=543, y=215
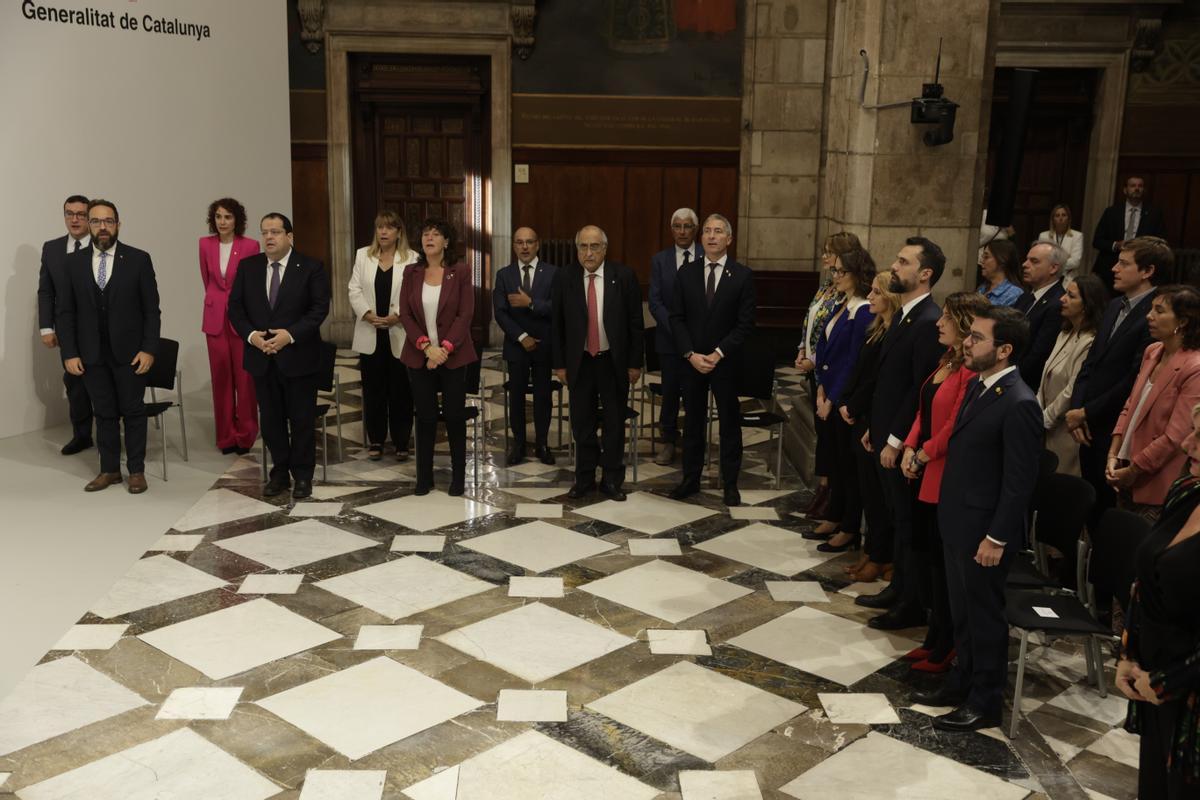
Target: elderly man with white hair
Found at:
x=1041, y=304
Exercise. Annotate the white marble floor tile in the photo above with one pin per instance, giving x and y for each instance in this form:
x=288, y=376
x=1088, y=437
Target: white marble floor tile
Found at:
x=533, y=467
x=1094, y=795
x=531, y=705
x=328, y=492
x=179, y=543
x=182, y=765
x=343, y=784
x=531, y=765
x=404, y=587
x=697, y=710
x=750, y=513
x=646, y=513
x=535, y=642
x=90, y=637
x=389, y=637
x=151, y=582
x=858, y=589
x=649, y=471
x=220, y=506
x=238, y=638
x=665, y=642
x=362, y=708
x=867, y=708
x=423, y=514
x=896, y=770
x=654, y=547
x=418, y=543
x=522, y=586
x=271, y=584
x=538, y=546
x=930, y=711
x=754, y=496
x=200, y=702
x=835, y=648
x=1064, y=750
x=797, y=592
x=538, y=479
x=697, y=784
x=537, y=495
x=1086, y=701
x=1071, y=668
x=539, y=511
x=1118, y=745
x=56, y=697
x=4, y=776
x=768, y=547
x=665, y=590
x=296, y=544
x=317, y=509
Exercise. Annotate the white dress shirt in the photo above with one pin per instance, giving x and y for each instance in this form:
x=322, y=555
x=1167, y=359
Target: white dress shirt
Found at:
x=283, y=262
x=691, y=252
x=1131, y=226
x=430, y=295
x=988, y=383
x=109, y=263
x=893, y=440
x=521, y=282
x=599, y=273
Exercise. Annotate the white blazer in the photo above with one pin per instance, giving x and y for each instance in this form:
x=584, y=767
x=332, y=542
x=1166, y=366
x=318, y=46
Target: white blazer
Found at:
x=1073, y=244
x=362, y=300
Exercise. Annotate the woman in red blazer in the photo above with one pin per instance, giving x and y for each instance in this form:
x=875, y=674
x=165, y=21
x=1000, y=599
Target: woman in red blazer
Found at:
x=1146, y=454
x=925, y=459
x=437, y=303
x=235, y=407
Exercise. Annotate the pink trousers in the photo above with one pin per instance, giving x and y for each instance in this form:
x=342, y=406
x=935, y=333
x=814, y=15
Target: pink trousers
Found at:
x=235, y=408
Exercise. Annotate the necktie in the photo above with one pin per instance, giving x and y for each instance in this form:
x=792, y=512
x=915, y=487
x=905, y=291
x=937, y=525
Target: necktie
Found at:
x=1025, y=303
x=1131, y=225
x=102, y=273
x=711, y=288
x=1124, y=312
x=687, y=258
x=77, y=244
x=593, y=332
x=976, y=392
x=526, y=283
x=274, y=292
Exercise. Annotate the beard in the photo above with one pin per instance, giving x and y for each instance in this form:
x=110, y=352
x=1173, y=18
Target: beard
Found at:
x=896, y=285
x=104, y=245
x=982, y=363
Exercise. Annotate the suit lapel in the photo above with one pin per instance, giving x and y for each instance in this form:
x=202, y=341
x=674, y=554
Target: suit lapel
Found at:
x=291, y=277
x=449, y=282
x=728, y=272
x=1166, y=375
x=985, y=400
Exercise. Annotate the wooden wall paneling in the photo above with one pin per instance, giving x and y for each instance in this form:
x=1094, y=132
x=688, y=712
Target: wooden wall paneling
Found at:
x=1191, y=220
x=718, y=195
x=644, y=218
x=310, y=200
x=681, y=189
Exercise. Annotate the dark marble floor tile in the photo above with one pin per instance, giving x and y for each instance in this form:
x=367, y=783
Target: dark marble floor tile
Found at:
x=594, y=527
x=972, y=749
x=477, y=565
x=1103, y=775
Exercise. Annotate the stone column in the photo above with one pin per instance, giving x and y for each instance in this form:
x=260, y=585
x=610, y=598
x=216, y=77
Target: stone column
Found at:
x=881, y=181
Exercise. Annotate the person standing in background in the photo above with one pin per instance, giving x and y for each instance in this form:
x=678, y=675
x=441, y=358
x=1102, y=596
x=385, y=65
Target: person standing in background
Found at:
x=1062, y=234
x=1120, y=224
x=1001, y=277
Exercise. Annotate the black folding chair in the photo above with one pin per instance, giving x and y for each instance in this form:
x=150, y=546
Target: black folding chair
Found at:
x=330, y=383
x=652, y=391
x=756, y=380
x=164, y=375
x=556, y=388
x=1061, y=504
x=476, y=413
x=1114, y=545
x=631, y=416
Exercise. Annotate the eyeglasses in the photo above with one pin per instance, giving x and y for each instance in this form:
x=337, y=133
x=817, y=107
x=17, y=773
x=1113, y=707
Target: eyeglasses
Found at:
x=838, y=272
x=272, y=231
x=591, y=247
x=75, y=214
x=686, y=226
x=976, y=338
x=107, y=222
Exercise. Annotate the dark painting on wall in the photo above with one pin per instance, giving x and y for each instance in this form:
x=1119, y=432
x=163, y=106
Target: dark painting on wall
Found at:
x=684, y=48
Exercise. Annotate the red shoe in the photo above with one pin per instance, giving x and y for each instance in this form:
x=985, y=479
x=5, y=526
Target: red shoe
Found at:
x=918, y=654
x=935, y=667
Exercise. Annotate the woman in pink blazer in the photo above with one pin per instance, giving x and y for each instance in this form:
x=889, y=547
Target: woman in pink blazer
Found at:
x=235, y=408
x=1146, y=454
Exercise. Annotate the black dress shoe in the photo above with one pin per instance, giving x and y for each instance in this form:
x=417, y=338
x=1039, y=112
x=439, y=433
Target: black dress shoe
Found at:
x=884, y=599
x=545, y=456
x=943, y=695
x=457, y=488
x=422, y=489
x=241, y=451
x=732, y=496
x=515, y=456
x=228, y=451
x=76, y=445
x=965, y=718
x=612, y=490
x=684, y=490
x=581, y=490
x=302, y=489
x=897, y=618
x=851, y=544
x=276, y=486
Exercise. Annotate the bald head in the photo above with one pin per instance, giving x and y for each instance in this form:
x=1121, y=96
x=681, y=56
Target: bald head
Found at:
x=1043, y=265
x=591, y=246
x=525, y=245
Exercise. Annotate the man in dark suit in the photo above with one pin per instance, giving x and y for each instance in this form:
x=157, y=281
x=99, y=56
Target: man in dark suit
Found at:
x=663, y=269
x=523, y=298
x=1041, y=304
x=1123, y=222
x=52, y=281
x=991, y=469
x=108, y=325
x=910, y=352
x=278, y=302
x=1107, y=375
x=596, y=328
x=712, y=314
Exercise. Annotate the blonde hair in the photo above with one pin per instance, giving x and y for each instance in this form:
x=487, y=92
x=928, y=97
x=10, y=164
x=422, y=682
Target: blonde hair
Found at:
x=879, y=325
x=392, y=220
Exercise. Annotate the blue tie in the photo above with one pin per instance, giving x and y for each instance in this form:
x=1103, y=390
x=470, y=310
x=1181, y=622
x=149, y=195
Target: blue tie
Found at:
x=102, y=274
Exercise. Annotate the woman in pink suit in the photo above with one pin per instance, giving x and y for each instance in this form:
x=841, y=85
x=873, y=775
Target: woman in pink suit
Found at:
x=234, y=405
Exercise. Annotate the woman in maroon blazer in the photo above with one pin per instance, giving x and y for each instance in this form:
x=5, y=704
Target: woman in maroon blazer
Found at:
x=437, y=303
x=235, y=407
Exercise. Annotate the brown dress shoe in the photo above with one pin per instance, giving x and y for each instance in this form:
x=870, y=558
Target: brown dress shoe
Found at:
x=103, y=481
x=137, y=482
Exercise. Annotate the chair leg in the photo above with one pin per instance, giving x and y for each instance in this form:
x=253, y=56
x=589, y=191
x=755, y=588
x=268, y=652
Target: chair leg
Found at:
x=182, y=418
x=324, y=451
x=475, y=444
x=1098, y=660
x=264, y=460
x=1020, y=684
x=162, y=433
x=505, y=388
x=779, y=457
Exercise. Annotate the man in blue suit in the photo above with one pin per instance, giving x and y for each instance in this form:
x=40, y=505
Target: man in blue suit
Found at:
x=991, y=469
x=663, y=267
x=522, y=300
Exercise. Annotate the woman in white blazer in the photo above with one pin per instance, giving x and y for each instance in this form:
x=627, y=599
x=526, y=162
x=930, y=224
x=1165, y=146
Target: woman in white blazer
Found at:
x=1083, y=305
x=379, y=337
x=1062, y=234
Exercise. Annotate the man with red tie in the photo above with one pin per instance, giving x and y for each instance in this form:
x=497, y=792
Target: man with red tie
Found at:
x=596, y=329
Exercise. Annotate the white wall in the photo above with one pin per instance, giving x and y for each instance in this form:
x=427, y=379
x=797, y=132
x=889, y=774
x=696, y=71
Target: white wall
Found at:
x=159, y=123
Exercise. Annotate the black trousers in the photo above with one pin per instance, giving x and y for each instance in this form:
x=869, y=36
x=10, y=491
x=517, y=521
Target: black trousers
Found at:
x=287, y=411
x=927, y=549
x=598, y=387
x=1092, y=460
x=976, y=597
x=521, y=372
x=673, y=367
x=696, y=387
x=387, y=398
x=1158, y=725
x=877, y=543
x=452, y=383
x=845, y=493
x=79, y=406
x=899, y=496
x=117, y=393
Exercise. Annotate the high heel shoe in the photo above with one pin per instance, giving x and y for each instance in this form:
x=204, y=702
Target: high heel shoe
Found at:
x=850, y=544
x=917, y=654
x=930, y=665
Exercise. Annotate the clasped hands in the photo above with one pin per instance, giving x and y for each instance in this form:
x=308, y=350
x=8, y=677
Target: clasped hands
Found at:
x=1120, y=477
x=271, y=341
x=435, y=356
x=141, y=363
x=1077, y=424
x=1134, y=683
x=704, y=364
x=381, y=322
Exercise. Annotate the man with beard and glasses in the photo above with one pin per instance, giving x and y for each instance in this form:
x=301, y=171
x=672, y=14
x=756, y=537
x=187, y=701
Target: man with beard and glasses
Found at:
x=991, y=469
x=108, y=325
x=1120, y=224
x=909, y=353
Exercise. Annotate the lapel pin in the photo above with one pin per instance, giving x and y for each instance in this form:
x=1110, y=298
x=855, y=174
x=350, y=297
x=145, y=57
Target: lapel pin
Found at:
x=999, y=390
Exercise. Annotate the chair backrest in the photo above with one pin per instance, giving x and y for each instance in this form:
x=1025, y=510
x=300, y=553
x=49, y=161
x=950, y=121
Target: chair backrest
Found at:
x=756, y=377
x=162, y=373
x=1114, y=546
x=1047, y=463
x=1063, y=503
x=653, y=361
x=473, y=376
x=327, y=366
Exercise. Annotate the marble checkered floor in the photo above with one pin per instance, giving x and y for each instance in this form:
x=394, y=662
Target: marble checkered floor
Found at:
x=514, y=644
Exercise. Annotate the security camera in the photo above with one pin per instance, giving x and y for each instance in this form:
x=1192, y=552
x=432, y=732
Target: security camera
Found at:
x=931, y=108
